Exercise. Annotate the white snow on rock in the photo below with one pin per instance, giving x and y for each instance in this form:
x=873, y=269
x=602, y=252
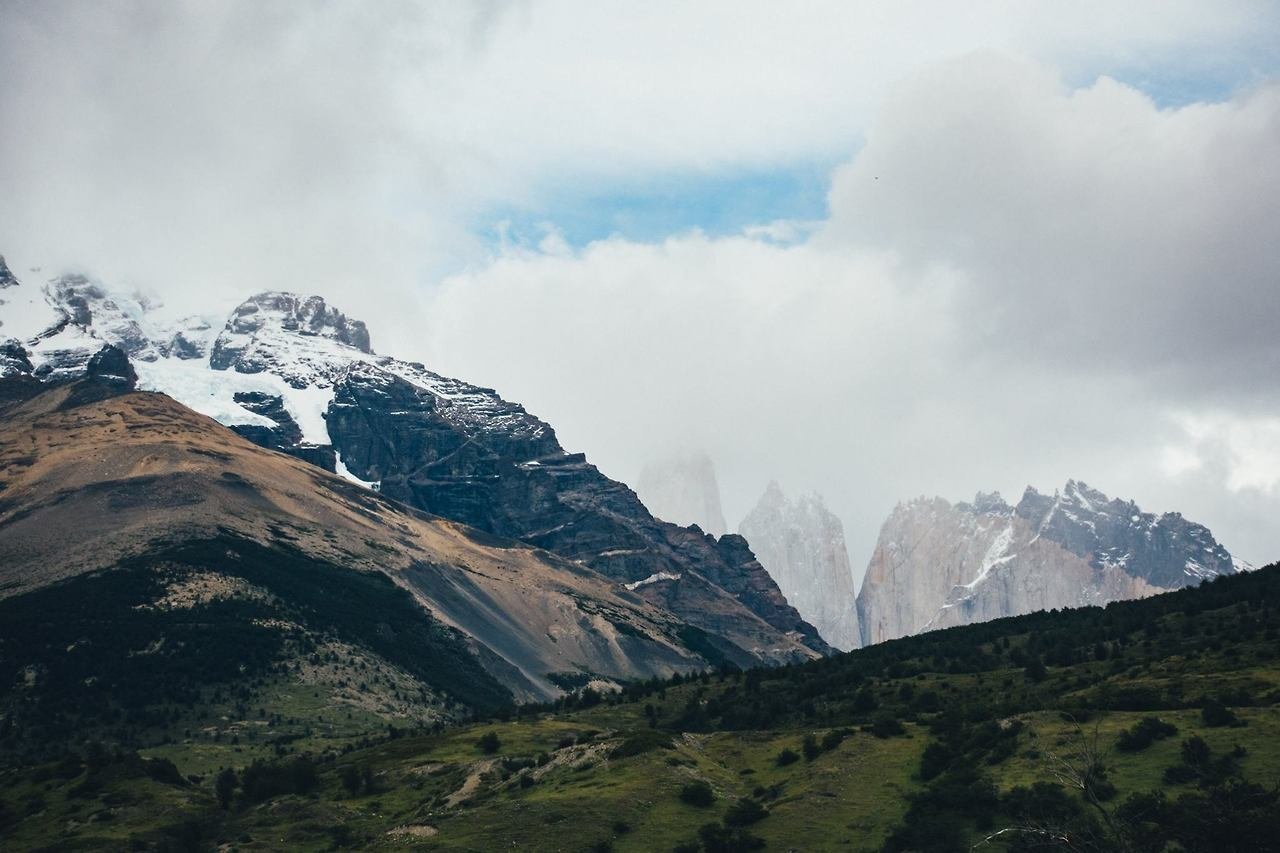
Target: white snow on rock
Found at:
x=654, y=578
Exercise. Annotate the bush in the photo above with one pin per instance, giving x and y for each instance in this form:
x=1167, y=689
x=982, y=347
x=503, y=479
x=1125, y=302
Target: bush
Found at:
x=698, y=794
x=224, y=786
x=489, y=743
x=1216, y=715
x=787, y=756
x=809, y=746
x=833, y=739
x=264, y=781
x=745, y=812
x=1146, y=732
x=935, y=759
x=886, y=725
x=638, y=743
x=717, y=838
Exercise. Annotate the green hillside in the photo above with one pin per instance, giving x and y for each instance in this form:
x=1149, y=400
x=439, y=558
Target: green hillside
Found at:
x=1149, y=725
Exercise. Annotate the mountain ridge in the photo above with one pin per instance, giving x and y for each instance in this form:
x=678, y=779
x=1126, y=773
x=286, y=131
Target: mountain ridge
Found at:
x=938, y=564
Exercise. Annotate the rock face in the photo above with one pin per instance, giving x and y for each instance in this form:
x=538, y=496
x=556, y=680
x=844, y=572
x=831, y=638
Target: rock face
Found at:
x=294, y=374
x=683, y=490
x=938, y=564
x=801, y=544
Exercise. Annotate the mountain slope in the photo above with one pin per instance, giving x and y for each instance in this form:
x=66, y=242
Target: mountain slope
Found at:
x=801, y=543
x=296, y=375
x=95, y=476
x=938, y=564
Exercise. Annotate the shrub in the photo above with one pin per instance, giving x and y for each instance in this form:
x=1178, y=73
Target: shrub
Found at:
x=489, y=743
x=833, y=739
x=698, y=794
x=717, y=838
x=886, y=725
x=1216, y=715
x=745, y=812
x=224, y=786
x=350, y=778
x=1146, y=732
x=787, y=756
x=935, y=759
x=638, y=743
x=809, y=746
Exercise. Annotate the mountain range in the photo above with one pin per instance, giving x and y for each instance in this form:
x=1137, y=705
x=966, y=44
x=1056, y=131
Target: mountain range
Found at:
x=295, y=375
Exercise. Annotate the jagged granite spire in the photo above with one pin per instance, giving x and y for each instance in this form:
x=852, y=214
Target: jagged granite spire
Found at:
x=938, y=564
x=801, y=544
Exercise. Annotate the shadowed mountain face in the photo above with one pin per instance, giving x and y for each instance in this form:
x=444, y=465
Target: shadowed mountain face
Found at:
x=101, y=483
x=938, y=564
x=296, y=375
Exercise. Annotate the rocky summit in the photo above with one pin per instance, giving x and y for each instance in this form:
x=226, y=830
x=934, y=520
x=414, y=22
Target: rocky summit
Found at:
x=295, y=374
x=938, y=564
x=801, y=543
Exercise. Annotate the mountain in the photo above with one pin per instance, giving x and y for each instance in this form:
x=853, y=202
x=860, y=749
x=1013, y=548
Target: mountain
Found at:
x=683, y=489
x=159, y=535
x=801, y=544
x=938, y=564
x=296, y=375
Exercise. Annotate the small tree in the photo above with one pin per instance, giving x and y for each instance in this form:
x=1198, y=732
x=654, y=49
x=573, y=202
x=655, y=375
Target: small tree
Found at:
x=489, y=743
x=224, y=786
x=350, y=776
x=698, y=794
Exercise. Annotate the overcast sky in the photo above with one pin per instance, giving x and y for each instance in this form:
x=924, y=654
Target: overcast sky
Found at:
x=875, y=250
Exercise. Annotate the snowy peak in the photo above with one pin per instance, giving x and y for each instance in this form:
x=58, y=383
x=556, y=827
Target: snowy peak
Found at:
x=1113, y=532
x=301, y=339
x=7, y=278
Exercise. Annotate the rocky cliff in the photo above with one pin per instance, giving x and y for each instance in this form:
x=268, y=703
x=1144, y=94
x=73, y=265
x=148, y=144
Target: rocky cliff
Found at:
x=683, y=490
x=801, y=544
x=937, y=564
x=294, y=374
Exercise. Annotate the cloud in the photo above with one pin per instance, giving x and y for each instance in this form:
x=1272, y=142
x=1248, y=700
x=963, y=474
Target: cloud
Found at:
x=1094, y=231
x=1020, y=282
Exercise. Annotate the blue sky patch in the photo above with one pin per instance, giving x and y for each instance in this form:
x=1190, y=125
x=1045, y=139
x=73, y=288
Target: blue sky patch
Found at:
x=718, y=204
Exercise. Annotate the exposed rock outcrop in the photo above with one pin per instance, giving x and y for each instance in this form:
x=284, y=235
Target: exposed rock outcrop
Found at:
x=801, y=543
x=938, y=564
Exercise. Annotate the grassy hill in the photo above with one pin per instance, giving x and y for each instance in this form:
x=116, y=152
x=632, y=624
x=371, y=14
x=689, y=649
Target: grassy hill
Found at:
x=1149, y=725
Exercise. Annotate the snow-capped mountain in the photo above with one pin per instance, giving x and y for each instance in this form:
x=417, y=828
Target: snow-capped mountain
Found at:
x=938, y=564
x=683, y=489
x=295, y=374
x=801, y=543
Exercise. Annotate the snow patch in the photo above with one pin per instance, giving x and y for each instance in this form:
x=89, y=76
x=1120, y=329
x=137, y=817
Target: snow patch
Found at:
x=345, y=473
x=997, y=555
x=654, y=578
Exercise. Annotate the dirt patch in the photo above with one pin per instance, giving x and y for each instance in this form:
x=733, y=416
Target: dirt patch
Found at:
x=414, y=830
x=471, y=784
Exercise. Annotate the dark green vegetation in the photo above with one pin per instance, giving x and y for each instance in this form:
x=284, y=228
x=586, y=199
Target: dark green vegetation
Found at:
x=161, y=648
x=1146, y=726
